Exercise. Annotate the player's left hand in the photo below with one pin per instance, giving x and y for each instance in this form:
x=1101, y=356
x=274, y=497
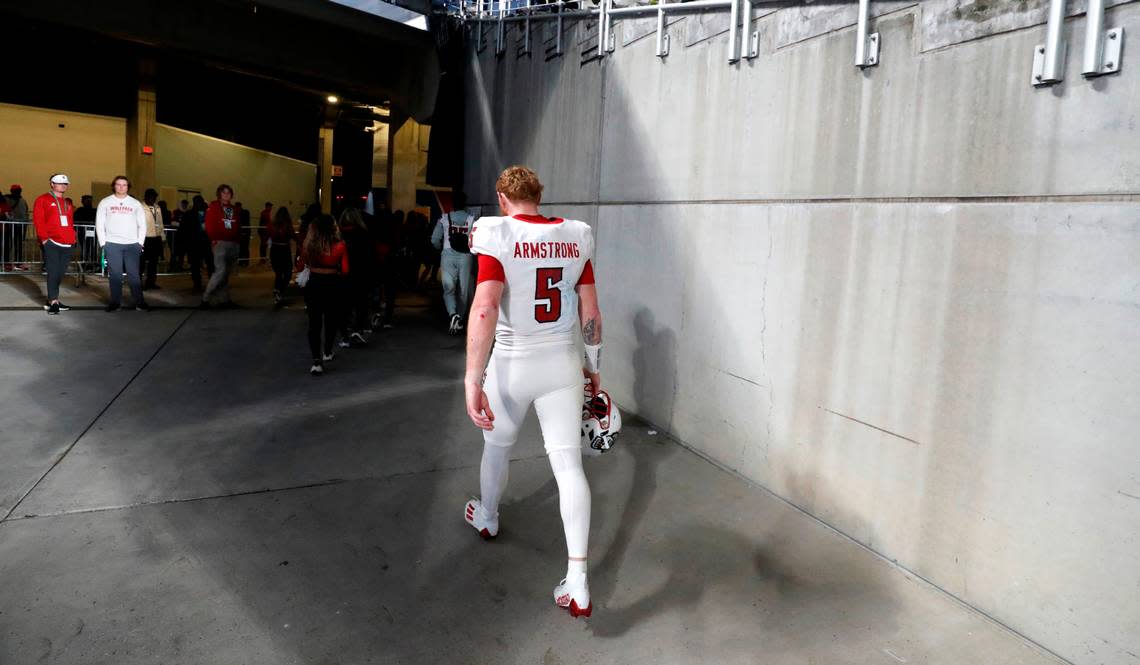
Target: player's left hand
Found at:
x=595, y=379
x=478, y=408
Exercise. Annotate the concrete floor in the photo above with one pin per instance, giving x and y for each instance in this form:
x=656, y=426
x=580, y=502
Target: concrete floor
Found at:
x=181, y=491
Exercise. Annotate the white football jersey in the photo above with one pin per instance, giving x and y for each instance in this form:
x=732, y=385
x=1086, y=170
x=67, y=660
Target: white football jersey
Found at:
x=542, y=261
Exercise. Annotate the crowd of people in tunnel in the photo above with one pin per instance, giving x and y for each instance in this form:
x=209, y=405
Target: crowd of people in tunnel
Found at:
x=379, y=251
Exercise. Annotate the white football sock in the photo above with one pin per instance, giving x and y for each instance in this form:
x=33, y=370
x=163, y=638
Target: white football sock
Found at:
x=573, y=501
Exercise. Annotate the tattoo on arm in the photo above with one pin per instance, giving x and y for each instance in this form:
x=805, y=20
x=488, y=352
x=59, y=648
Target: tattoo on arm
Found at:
x=591, y=332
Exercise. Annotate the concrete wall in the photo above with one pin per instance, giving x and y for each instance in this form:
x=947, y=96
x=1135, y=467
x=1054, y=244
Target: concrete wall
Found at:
x=194, y=161
x=905, y=299
x=33, y=146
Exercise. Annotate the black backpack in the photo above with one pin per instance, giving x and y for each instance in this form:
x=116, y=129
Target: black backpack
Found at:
x=458, y=237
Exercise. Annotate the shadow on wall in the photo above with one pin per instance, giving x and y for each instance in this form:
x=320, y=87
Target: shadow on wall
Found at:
x=655, y=369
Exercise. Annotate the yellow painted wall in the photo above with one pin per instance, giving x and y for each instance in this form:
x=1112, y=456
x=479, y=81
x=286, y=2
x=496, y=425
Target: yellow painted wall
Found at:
x=88, y=148
x=194, y=161
x=91, y=149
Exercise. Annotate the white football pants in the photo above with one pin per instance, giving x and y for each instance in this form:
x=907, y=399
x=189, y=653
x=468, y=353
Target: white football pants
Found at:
x=551, y=379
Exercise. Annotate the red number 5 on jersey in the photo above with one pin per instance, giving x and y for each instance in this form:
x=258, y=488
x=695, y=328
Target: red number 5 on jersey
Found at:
x=544, y=289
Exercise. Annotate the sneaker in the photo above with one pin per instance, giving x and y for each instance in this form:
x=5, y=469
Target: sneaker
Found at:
x=358, y=338
x=344, y=344
x=53, y=308
x=316, y=369
x=113, y=307
x=328, y=356
x=142, y=307
x=474, y=514
x=574, y=595
x=62, y=307
x=453, y=327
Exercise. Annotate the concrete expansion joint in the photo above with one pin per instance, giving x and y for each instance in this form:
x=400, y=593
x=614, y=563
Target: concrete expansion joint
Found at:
x=267, y=490
x=94, y=420
x=1124, y=197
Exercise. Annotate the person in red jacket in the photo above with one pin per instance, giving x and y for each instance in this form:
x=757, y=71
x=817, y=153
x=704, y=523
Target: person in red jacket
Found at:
x=54, y=218
x=223, y=227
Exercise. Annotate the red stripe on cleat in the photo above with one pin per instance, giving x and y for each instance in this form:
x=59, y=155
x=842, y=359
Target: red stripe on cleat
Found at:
x=576, y=611
x=486, y=535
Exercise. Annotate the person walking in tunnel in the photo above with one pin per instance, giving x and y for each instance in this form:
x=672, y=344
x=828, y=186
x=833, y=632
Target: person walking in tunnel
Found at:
x=280, y=234
x=223, y=220
x=357, y=283
x=450, y=238
x=54, y=219
x=535, y=288
x=324, y=253
x=120, y=224
x=152, y=249
x=192, y=236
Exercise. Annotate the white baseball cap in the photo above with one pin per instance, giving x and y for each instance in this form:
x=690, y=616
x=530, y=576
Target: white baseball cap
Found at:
x=60, y=179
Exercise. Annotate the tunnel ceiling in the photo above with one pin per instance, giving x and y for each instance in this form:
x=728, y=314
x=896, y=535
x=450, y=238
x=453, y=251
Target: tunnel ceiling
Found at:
x=310, y=44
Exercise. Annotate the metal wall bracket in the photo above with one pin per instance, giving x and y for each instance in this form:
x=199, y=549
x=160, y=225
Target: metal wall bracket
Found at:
x=500, y=36
x=524, y=49
x=1111, y=50
x=1103, y=48
x=1040, y=77
x=753, y=45
x=663, y=46
x=866, y=45
x=611, y=42
x=1049, y=58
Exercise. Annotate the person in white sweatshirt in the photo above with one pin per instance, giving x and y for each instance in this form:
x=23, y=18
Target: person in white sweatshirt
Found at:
x=120, y=225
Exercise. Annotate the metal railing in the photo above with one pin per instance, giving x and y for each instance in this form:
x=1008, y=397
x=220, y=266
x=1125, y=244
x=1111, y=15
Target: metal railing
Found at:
x=22, y=254
x=743, y=42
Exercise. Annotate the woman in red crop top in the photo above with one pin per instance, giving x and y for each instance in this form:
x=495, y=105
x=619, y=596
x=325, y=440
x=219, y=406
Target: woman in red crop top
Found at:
x=324, y=253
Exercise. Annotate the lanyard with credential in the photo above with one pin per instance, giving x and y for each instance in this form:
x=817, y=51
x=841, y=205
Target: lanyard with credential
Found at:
x=60, y=206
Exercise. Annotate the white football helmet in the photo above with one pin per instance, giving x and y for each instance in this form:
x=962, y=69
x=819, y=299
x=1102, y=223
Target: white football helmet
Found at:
x=601, y=422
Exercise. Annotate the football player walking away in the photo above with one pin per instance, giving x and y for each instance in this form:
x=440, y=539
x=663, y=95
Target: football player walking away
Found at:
x=535, y=285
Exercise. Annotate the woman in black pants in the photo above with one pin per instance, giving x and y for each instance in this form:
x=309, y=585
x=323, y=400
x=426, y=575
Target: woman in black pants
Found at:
x=280, y=234
x=358, y=294
x=327, y=259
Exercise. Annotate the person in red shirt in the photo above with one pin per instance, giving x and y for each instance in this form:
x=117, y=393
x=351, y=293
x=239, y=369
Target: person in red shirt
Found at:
x=263, y=223
x=326, y=256
x=223, y=227
x=54, y=218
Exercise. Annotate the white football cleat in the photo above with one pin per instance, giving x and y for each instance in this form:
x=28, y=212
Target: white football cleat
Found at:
x=574, y=595
x=475, y=516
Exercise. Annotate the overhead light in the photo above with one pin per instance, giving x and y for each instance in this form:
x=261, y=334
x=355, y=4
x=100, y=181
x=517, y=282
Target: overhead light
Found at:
x=332, y=99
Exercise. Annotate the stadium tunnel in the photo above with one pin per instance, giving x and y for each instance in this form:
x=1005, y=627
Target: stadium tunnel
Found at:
x=312, y=81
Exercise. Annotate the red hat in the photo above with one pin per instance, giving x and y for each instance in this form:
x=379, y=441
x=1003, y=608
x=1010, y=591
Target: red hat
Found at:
x=15, y=187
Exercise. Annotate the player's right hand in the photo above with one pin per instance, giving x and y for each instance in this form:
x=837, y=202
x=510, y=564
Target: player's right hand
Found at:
x=478, y=408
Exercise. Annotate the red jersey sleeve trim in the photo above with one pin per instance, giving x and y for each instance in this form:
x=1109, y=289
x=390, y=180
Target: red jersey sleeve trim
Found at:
x=587, y=274
x=490, y=270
